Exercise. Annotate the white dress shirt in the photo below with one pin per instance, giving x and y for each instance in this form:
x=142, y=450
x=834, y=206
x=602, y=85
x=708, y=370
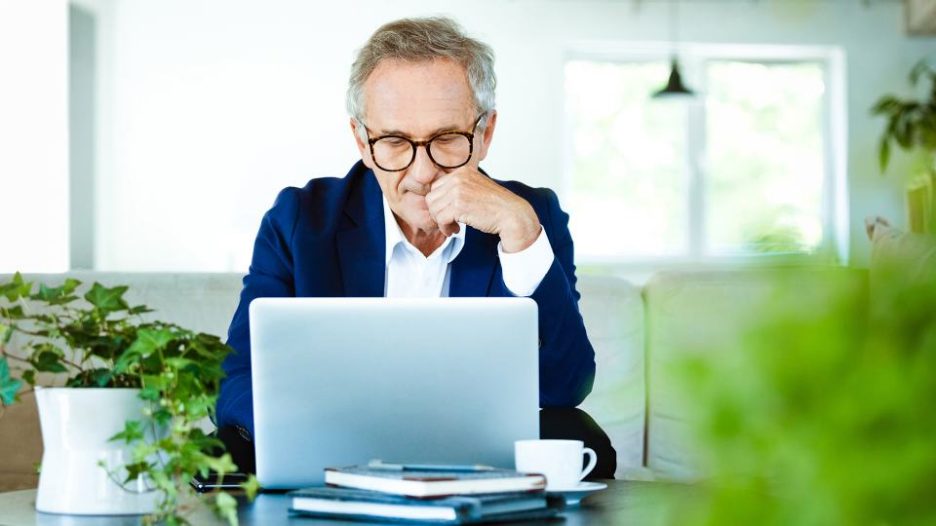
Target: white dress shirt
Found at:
x=410, y=274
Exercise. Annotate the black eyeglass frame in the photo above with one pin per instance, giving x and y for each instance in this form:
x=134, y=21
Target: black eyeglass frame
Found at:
x=425, y=144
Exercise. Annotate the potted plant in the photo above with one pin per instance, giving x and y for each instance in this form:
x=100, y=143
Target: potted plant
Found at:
x=911, y=126
x=123, y=435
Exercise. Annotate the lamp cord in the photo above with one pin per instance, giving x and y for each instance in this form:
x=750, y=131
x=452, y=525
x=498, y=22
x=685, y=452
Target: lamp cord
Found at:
x=674, y=29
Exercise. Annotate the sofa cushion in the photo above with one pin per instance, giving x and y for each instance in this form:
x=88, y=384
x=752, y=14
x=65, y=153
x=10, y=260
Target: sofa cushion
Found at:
x=203, y=302
x=613, y=313
x=900, y=258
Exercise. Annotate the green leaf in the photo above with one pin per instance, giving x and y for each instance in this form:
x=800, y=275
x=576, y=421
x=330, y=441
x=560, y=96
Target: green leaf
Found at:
x=126, y=361
x=222, y=464
x=143, y=451
x=226, y=507
x=48, y=361
x=107, y=299
x=133, y=431
x=136, y=470
x=210, y=348
x=206, y=443
x=149, y=393
x=70, y=285
x=885, y=105
x=884, y=154
x=154, y=381
x=12, y=313
x=29, y=376
x=8, y=386
x=251, y=487
x=149, y=341
x=45, y=293
x=6, y=333
x=16, y=288
x=903, y=131
x=180, y=363
x=177, y=520
x=100, y=377
x=162, y=417
x=140, y=309
x=56, y=295
x=922, y=67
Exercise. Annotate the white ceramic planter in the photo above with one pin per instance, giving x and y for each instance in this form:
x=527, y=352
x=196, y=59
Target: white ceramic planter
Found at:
x=76, y=424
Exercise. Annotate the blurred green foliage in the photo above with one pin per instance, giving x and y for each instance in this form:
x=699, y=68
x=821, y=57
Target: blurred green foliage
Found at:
x=826, y=417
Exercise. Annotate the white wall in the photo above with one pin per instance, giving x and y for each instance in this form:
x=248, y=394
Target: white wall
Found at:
x=208, y=108
x=33, y=136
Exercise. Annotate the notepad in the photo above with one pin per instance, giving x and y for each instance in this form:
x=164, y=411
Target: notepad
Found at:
x=345, y=503
x=434, y=482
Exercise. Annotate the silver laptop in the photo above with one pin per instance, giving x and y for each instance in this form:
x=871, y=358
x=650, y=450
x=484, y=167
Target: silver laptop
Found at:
x=343, y=381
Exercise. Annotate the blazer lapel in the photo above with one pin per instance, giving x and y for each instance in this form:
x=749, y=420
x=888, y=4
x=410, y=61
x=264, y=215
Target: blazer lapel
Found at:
x=361, y=241
x=473, y=269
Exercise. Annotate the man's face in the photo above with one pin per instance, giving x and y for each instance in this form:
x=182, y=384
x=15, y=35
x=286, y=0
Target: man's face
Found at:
x=418, y=101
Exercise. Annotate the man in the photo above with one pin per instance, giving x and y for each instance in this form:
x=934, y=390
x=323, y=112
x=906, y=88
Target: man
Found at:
x=417, y=217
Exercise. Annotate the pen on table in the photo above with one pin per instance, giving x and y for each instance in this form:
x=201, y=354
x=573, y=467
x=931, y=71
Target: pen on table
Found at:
x=467, y=468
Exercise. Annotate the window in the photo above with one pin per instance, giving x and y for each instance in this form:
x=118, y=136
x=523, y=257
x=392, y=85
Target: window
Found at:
x=743, y=169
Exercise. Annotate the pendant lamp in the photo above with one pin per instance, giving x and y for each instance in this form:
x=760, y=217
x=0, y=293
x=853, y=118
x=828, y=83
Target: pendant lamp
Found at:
x=674, y=86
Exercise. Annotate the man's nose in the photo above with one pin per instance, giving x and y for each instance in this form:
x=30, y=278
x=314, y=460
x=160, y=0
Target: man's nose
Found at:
x=423, y=169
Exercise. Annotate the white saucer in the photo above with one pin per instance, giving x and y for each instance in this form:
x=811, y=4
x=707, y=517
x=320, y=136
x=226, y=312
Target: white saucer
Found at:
x=573, y=496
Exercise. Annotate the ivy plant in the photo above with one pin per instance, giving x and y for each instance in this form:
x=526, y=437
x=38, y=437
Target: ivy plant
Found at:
x=104, y=342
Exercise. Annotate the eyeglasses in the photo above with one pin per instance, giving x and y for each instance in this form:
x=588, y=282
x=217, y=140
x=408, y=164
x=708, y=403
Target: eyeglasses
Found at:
x=451, y=149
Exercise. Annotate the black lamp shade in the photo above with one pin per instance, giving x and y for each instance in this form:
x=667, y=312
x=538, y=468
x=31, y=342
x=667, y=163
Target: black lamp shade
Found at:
x=675, y=86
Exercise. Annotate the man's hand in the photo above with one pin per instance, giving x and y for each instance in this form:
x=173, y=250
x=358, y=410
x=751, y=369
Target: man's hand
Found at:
x=467, y=196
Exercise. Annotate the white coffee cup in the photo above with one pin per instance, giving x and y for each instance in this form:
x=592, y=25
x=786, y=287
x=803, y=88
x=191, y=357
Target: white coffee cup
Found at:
x=559, y=460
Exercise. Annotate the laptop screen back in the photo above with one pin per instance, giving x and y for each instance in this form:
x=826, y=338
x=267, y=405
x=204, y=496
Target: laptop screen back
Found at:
x=342, y=381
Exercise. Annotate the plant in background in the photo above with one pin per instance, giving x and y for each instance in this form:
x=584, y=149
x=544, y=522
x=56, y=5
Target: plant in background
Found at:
x=107, y=343
x=911, y=125
x=826, y=415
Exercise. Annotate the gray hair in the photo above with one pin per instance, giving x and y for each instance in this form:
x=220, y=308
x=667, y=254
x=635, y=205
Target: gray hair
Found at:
x=423, y=39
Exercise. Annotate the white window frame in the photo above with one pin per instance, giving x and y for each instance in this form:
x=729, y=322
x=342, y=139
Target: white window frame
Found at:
x=693, y=57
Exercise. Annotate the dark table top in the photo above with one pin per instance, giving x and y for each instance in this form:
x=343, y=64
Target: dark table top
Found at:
x=623, y=502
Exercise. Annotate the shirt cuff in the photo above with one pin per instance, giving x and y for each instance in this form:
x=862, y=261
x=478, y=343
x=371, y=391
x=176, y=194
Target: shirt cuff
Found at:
x=523, y=271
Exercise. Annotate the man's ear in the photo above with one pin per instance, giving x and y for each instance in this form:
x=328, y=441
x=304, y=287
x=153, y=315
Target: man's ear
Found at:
x=362, y=146
x=488, y=135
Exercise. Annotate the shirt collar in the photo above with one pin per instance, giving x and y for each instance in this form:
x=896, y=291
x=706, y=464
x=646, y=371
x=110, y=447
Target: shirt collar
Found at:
x=450, y=248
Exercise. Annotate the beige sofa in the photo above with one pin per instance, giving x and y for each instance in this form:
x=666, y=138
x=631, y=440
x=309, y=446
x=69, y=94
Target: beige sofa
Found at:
x=634, y=331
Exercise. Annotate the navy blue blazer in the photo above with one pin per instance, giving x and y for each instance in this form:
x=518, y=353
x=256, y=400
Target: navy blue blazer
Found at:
x=327, y=240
